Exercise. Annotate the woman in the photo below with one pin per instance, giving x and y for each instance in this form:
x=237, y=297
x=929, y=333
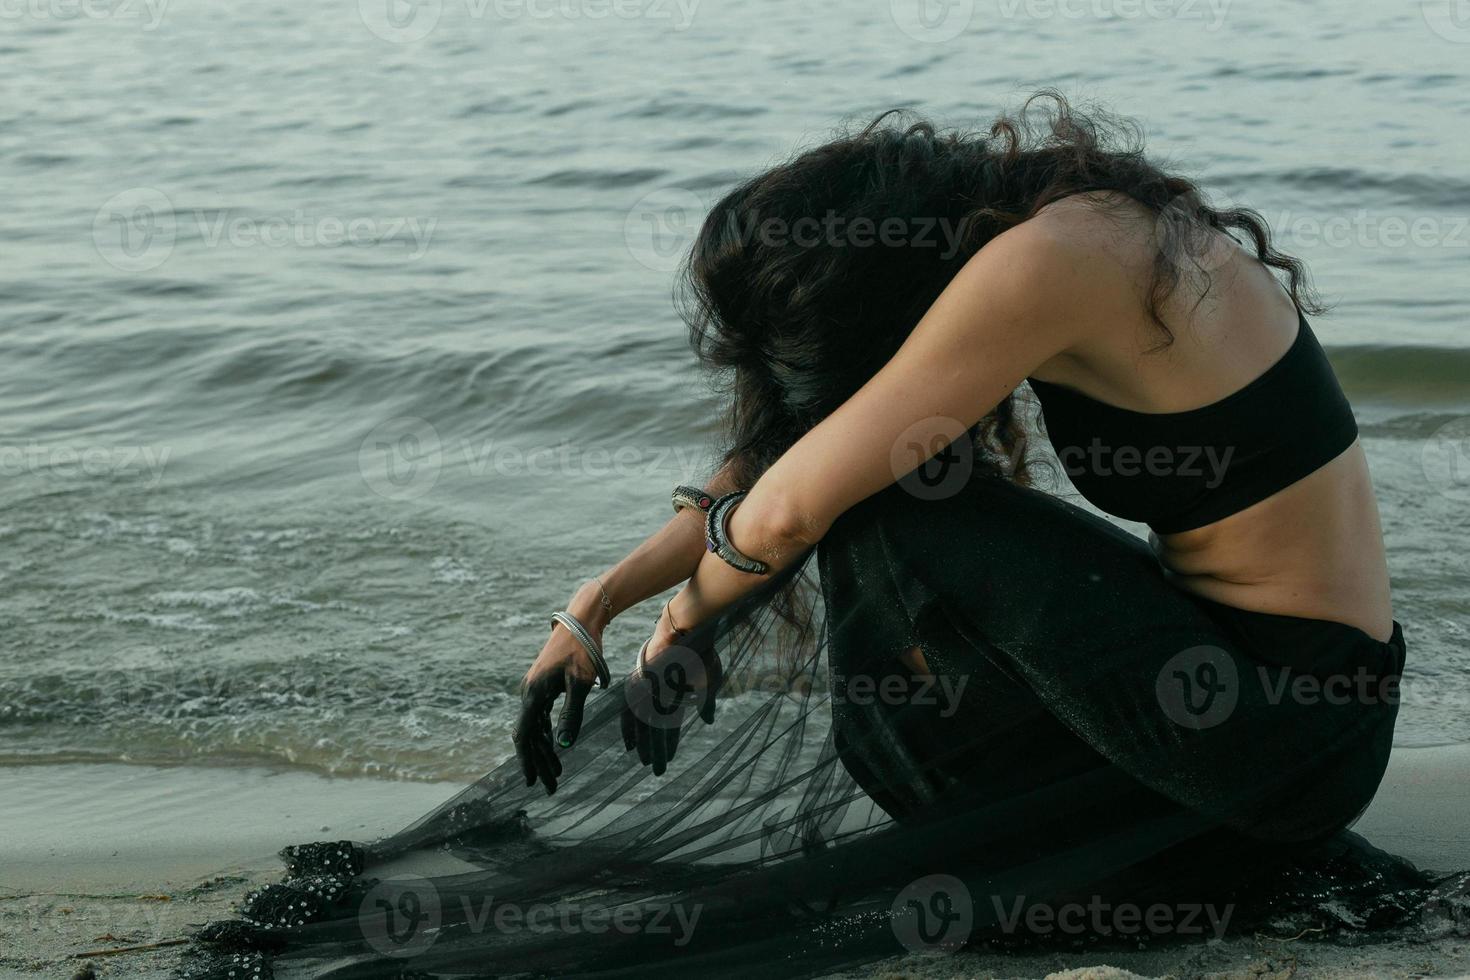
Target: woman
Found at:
x=1026, y=702
x=1181, y=386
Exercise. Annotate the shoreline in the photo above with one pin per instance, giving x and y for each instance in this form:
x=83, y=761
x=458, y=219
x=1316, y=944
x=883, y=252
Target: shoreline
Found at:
x=95, y=856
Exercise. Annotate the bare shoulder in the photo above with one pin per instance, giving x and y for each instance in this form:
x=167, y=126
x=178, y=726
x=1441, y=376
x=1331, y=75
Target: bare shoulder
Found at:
x=1105, y=224
x=1085, y=256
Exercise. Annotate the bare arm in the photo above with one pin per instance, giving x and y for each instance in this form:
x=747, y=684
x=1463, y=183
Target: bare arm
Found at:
x=1016, y=305
x=666, y=558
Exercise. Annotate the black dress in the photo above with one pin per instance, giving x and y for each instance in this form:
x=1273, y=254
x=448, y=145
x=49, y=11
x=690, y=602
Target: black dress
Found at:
x=1085, y=730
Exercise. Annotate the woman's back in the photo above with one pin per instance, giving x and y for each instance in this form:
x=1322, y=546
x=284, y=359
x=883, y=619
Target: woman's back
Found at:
x=1313, y=549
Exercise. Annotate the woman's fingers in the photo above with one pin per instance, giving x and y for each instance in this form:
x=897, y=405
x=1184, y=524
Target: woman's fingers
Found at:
x=677, y=680
x=660, y=750
x=655, y=735
x=532, y=735
x=657, y=700
x=523, y=753
x=569, y=722
x=546, y=764
x=547, y=744
x=714, y=675
x=630, y=729
x=524, y=737
x=645, y=742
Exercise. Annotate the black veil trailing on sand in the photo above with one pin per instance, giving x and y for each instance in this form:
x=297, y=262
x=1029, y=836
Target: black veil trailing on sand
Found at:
x=759, y=853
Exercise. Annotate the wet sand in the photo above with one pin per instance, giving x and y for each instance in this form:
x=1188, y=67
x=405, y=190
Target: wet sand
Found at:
x=94, y=857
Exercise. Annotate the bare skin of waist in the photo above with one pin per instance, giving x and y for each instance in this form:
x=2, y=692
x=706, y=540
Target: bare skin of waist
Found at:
x=1311, y=550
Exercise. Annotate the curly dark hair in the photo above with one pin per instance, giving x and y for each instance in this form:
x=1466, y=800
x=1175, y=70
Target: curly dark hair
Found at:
x=805, y=279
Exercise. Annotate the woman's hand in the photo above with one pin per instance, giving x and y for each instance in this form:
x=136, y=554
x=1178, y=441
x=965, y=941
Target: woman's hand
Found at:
x=562, y=667
x=672, y=678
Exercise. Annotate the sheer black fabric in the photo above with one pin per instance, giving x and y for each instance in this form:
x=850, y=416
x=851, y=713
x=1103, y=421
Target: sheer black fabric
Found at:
x=997, y=704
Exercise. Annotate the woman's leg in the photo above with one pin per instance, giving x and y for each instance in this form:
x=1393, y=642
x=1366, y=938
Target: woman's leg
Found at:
x=1078, y=660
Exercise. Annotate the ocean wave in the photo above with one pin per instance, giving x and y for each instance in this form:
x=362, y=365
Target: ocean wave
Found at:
x=694, y=110
x=519, y=390
x=1281, y=72
x=605, y=179
x=327, y=717
x=1403, y=375
x=394, y=724
x=576, y=105
x=1374, y=190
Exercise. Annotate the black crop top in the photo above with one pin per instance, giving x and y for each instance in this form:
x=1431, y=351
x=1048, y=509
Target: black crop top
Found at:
x=1182, y=470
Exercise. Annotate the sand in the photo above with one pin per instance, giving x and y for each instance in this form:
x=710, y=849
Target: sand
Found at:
x=94, y=857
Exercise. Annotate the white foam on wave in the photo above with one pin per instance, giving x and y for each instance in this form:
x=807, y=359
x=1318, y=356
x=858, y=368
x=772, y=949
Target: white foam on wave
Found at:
x=171, y=621
x=284, y=538
x=449, y=570
x=233, y=602
x=227, y=598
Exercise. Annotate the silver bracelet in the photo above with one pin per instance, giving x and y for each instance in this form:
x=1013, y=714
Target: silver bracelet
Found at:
x=717, y=536
x=691, y=497
x=574, y=627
